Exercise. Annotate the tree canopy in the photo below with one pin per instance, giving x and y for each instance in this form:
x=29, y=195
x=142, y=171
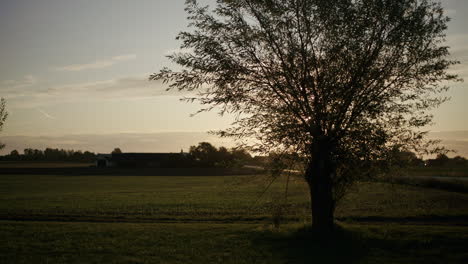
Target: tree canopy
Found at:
x=343, y=83
x=207, y=155
x=116, y=151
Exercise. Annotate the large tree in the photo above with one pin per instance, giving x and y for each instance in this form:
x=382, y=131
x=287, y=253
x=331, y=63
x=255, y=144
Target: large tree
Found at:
x=343, y=83
x=3, y=116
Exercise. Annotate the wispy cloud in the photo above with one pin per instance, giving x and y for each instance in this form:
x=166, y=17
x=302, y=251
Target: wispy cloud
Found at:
x=11, y=85
x=44, y=113
x=126, y=88
x=98, y=64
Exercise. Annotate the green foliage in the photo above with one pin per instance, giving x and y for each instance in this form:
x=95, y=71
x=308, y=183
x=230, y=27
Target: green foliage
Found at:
x=209, y=198
x=56, y=242
x=119, y=219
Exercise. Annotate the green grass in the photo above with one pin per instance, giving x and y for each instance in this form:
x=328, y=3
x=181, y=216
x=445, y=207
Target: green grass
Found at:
x=141, y=219
x=31, y=242
x=142, y=197
x=448, y=171
x=453, y=184
x=227, y=198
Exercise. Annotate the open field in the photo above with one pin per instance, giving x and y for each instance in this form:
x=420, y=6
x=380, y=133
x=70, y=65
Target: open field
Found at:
x=176, y=219
x=224, y=198
x=438, y=171
x=43, y=164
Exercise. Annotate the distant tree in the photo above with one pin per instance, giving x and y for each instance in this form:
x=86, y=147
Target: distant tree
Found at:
x=402, y=158
x=14, y=155
x=439, y=161
x=204, y=154
x=224, y=157
x=261, y=161
x=459, y=161
x=240, y=156
x=28, y=153
x=3, y=117
x=341, y=83
x=88, y=156
x=50, y=154
x=37, y=154
x=116, y=151
x=442, y=159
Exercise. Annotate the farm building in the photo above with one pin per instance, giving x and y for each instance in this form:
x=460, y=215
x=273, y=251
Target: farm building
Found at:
x=104, y=160
x=140, y=160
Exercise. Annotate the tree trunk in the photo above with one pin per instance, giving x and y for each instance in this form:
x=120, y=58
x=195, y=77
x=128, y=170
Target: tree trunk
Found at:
x=319, y=177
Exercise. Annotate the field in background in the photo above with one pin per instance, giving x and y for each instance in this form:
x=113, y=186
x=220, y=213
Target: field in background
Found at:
x=229, y=219
x=438, y=171
x=43, y=164
x=210, y=198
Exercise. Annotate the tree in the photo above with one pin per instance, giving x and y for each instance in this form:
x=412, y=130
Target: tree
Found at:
x=14, y=155
x=406, y=158
x=116, y=151
x=3, y=116
x=439, y=161
x=240, y=156
x=341, y=83
x=205, y=154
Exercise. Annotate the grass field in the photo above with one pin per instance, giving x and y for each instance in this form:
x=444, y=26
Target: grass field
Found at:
x=438, y=171
x=59, y=242
x=43, y=164
x=173, y=219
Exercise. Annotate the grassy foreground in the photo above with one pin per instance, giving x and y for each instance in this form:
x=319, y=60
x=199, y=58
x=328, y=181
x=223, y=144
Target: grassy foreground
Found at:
x=32, y=242
x=225, y=219
x=223, y=198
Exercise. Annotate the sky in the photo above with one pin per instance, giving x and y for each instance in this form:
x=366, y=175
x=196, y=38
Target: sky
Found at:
x=75, y=75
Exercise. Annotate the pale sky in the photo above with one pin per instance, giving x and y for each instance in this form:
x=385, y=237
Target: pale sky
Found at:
x=70, y=68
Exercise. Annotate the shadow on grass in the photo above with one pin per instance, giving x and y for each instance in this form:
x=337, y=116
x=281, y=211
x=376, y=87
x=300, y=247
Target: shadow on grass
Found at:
x=306, y=246
x=368, y=244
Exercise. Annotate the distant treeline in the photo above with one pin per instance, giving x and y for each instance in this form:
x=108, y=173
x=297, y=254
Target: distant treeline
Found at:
x=50, y=154
x=202, y=155
x=407, y=158
x=444, y=161
x=207, y=155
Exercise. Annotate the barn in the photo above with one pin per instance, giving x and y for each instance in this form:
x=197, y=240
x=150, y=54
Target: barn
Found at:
x=142, y=160
x=104, y=160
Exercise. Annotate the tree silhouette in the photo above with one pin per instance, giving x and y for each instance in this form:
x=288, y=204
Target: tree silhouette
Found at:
x=341, y=83
x=204, y=154
x=3, y=117
x=116, y=151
